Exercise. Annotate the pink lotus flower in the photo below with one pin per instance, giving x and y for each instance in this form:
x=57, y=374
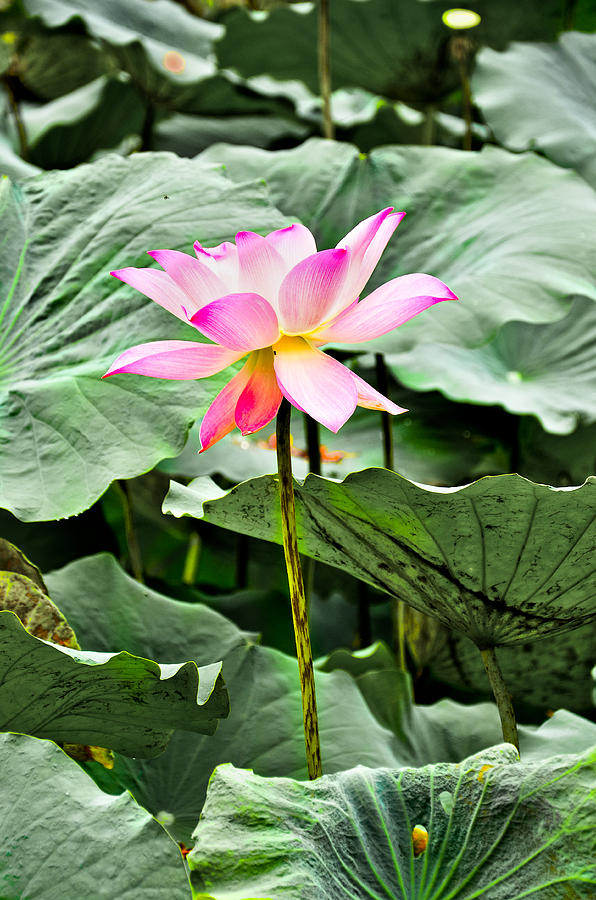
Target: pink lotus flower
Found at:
x=276, y=300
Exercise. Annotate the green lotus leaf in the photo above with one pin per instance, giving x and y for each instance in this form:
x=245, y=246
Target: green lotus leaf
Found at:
x=139, y=35
x=111, y=700
x=64, y=433
x=510, y=234
x=448, y=731
x=541, y=675
x=417, y=69
x=555, y=458
x=97, y=116
x=548, y=370
x=496, y=828
x=52, y=64
x=503, y=560
x=62, y=837
x=264, y=729
x=541, y=97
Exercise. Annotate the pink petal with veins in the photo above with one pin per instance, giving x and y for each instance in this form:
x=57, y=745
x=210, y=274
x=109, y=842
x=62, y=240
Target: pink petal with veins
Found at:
x=389, y=306
x=314, y=382
x=309, y=291
x=293, y=244
x=222, y=260
x=177, y=360
x=259, y=401
x=195, y=278
x=156, y=285
x=369, y=398
x=367, y=242
x=261, y=268
x=219, y=419
x=238, y=321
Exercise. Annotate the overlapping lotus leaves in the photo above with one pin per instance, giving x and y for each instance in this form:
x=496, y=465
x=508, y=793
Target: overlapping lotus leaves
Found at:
x=497, y=828
x=548, y=370
x=264, y=728
x=111, y=700
x=502, y=560
x=369, y=49
x=541, y=96
x=448, y=731
x=98, y=116
x=64, y=433
x=62, y=837
x=511, y=235
x=139, y=35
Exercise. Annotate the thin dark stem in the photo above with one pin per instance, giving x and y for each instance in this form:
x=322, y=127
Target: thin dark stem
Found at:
x=313, y=444
x=20, y=126
x=134, y=551
x=383, y=388
x=325, y=69
x=502, y=696
x=297, y=595
x=428, y=126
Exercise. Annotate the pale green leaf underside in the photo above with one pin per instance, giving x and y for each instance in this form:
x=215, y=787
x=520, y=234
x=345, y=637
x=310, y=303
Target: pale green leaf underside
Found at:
x=110, y=700
x=498, y=829
x=541, y=96
x=502, y=560
x=61, y=837
x=64, y=433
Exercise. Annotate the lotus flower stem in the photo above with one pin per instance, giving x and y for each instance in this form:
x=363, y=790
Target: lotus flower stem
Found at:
x=502, y=696
x=297, y=595
x=325, y=69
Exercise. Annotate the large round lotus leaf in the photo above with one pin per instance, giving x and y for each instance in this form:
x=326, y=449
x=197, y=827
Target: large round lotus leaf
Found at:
x=167, y=50
x=548, y=370
x=62, y=837
x=496, y=828
x=64, y=433
x=512, y=235
x=541, y=97
x=502, y=560
x=111, y=700
x=264, y=729
x=398, y=50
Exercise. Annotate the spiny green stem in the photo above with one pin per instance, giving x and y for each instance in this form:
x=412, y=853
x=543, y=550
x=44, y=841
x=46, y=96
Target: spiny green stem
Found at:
x=502, y=696
x=325, y=69
x=297, y=595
